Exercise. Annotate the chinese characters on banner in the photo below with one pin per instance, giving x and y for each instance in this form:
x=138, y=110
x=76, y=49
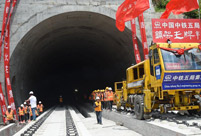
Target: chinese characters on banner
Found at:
x=143, y=36
x=6, y=62
x=176, y=30
x=135, y=43
x=2, y=103
x=5, y=17
x=187, y=80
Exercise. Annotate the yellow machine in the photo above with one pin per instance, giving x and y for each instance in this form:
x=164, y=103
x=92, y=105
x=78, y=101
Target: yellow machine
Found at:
x=169, y=80
x=120, y=99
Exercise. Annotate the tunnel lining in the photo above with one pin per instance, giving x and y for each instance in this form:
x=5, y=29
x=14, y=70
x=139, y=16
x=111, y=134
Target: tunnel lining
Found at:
x=103, y=57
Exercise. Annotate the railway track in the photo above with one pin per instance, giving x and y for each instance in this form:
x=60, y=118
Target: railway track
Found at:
x=176, y=117
x=70, y=126
x=53, y=122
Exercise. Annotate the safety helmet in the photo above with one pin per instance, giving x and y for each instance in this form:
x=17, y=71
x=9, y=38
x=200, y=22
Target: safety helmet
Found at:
x=25, y=103
x=109, y=88
x=39, y=102
x=9, y=106
x=97, y=98
x=31, y=92
x=22, y=105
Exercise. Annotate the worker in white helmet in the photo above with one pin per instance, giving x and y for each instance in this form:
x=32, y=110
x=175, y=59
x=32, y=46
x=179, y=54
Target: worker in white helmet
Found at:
x=98, y=110
x=40, y=107
x=21, y=114
x=33, y=102
x=110, y=98
x=26, y=116
x=10, y=118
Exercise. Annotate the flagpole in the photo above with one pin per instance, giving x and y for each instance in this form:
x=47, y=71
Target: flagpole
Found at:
x=199, y=9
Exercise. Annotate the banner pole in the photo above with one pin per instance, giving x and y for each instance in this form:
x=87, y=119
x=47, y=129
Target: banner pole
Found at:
x=199, y=9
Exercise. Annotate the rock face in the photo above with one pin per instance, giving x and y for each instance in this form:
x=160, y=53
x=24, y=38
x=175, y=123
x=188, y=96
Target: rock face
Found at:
x=49, y=38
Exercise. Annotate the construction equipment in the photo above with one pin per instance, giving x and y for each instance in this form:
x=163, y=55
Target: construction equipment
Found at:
x=169, y=80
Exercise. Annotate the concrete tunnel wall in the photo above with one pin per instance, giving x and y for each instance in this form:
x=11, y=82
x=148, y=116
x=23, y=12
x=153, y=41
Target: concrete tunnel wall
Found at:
x=73, y=50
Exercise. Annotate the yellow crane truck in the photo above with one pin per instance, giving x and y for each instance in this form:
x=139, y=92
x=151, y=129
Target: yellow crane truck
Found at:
x=169, y=80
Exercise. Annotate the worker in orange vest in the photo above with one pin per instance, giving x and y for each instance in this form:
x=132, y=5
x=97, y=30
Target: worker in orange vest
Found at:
x=26, y=116
x=10, y=118
x=98, y=110
x=102, y=98
x=40, y=107
x=110, y=97
x=61, y=101
x=21, y=114
x=106, y=94
x=30, y=113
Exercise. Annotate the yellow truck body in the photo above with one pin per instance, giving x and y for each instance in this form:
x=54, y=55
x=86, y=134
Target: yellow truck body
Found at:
x=169, y=80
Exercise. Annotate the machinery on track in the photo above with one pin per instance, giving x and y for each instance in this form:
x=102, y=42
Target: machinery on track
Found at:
x=169, y=80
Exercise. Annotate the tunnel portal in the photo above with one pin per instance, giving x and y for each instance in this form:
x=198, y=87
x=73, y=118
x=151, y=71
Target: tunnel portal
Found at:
x=74, y=50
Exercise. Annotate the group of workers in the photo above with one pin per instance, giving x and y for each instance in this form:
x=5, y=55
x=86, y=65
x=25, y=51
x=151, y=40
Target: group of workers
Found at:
x=106, y=97
x=102, y=99
x=26, y=112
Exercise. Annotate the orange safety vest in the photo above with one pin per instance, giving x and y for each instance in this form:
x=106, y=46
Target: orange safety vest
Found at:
x=30, y=112
x=21, y=111
x=110, y=96
x=60, y=99
x=9, y=116
x=98, y=106
x=40, y=107
x=25, y=109
x=106, y=96
x=93, y=96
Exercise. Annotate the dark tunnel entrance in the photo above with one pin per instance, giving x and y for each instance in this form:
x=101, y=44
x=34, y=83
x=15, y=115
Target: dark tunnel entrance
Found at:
x=74, y=50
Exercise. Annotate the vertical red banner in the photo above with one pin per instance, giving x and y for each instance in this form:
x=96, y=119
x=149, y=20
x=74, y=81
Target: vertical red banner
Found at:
x=5, y=17
x=2, y=103
x=7, y=69
x=135, y=43
x=6, y=62
x=143, y=36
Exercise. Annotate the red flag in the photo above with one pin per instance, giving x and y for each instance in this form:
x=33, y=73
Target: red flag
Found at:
x=128, y=10
x=179, y=6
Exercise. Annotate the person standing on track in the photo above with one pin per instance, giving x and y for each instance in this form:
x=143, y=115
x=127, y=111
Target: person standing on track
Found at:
x=21, y=114
x=61, y=101
x=110, y=98
x=26, y=112
x=33, y=102
x=98, y=110
x=40, y=107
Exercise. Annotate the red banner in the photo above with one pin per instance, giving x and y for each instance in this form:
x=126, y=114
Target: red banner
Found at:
x=5, y=17
x=128, y=10
x=143, y=36
x=2, y=103
x=135, y=43
x=179, y=6
x=176, y=30
x=6, y=62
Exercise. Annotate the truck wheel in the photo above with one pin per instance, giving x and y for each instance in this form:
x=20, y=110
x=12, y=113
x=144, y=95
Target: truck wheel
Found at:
x=139, y=107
